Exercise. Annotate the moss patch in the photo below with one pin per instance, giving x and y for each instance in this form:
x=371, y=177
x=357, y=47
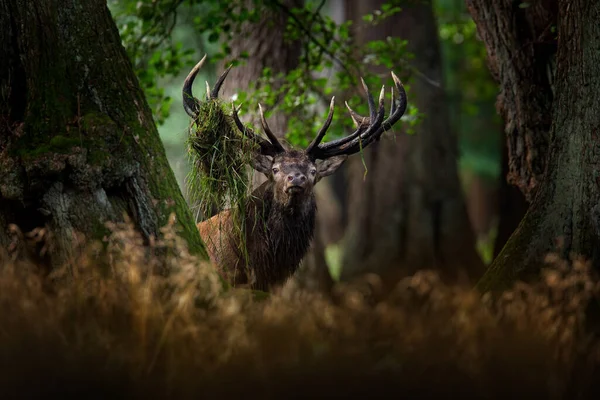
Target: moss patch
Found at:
x=28, y=148
x=80, y=134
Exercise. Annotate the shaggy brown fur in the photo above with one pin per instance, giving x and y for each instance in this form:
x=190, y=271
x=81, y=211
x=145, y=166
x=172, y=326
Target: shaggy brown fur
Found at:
x=276, y=227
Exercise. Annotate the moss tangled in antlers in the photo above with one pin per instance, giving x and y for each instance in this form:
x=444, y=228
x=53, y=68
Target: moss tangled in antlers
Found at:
x=219, y=155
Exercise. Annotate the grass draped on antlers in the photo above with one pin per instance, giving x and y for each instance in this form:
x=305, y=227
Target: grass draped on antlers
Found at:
x=219, y=178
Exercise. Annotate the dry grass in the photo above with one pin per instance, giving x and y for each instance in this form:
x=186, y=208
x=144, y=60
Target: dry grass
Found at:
x=116, y=331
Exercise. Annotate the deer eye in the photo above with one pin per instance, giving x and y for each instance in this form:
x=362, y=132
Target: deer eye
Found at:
x=275, y=170
x=313, y=171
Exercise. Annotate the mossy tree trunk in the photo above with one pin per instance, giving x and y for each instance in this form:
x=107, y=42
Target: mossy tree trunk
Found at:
x=409, y=213
x=78, y=146
x=564, y=214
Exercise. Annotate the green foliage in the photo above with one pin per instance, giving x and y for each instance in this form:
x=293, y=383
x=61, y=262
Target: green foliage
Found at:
x=330, y=63
x=164, y=39
x=146, y=29
x=470, y=89
x=387, y=10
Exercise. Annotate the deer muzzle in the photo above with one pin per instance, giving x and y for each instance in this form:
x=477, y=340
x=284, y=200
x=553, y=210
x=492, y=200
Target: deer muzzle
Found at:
x=296, y=182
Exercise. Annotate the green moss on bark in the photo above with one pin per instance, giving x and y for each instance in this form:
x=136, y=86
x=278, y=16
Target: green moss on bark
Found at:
x=79, y=135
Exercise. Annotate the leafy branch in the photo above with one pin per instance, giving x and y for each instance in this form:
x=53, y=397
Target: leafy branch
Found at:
x=330, y=63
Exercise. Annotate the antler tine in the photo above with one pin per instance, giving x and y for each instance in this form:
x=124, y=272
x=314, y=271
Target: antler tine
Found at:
x=400, y=103
x=269, y=133
x=364, y=139
x=368, y=133
x=370, y=100
x=215, y=92
x=356, y=117
x=398, y=107
x=364, y=127
x=190, y=103
x=265, y=146
x=207, y=90
x=236, y=119
x=393, y=104
x=321, y=134
x=356, y=140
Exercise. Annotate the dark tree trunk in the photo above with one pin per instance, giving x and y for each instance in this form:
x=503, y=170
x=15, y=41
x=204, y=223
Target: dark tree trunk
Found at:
x=78, y=146
x=410, y=213
x=565, y=208
x=520, y=46
x=512, y=206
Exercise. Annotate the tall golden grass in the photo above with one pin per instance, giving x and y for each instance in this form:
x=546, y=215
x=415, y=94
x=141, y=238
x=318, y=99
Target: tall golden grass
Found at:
x=154, y=322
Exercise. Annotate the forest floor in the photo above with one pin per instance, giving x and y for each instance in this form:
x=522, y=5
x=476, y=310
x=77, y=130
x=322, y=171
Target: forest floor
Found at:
x=101, y=328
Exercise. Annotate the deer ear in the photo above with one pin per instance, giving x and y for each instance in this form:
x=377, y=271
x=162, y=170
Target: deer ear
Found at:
x=330, y=165
x=262, y=164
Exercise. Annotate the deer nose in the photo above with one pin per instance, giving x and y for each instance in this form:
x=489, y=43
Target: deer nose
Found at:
x=296, y=178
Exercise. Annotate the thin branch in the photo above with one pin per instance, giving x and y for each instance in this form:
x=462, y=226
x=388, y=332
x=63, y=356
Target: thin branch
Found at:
x=308, y=33
x=317, y=12
x=157, y=21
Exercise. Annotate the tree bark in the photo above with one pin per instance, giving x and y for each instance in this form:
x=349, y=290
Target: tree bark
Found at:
x=409, y=213
x=565, y=210
x=512, y=206
x=521, y=47
x=267, y=47
x=78, y=146
x=481, y=205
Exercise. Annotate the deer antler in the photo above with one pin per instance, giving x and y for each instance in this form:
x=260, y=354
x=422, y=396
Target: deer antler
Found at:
x=191, y=106
x=368, y=129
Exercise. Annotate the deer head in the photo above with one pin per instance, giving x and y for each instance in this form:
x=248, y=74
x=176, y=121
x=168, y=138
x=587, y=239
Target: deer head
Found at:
x=294, y=172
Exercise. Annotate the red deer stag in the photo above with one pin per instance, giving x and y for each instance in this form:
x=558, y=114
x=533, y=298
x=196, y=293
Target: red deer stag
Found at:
x=279, y=218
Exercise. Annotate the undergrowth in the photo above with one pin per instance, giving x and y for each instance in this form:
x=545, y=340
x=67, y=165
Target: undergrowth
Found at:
x=113, y=329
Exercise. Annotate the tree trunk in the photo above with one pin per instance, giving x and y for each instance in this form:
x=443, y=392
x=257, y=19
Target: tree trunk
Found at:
x=511, y=208
x=78, y=146
x=520, y=46
x=565, y=210
x=480, y=198
x=267, y=47
x=409, y=213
